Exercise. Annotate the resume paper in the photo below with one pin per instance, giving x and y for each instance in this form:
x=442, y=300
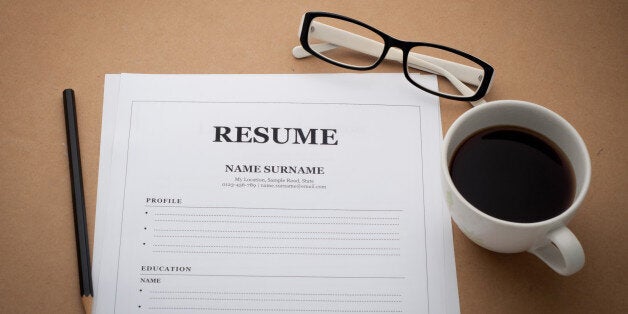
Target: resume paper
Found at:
x=271, y=194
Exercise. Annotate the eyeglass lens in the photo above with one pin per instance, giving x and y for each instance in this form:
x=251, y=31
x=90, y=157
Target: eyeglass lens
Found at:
x=329, y=37
x=459, y=76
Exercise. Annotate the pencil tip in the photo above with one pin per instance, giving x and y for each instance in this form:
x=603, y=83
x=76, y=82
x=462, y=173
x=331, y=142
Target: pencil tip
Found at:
x=87, y=304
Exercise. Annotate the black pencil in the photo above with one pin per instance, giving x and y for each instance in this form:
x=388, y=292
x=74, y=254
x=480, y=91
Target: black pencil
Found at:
x=78, y=200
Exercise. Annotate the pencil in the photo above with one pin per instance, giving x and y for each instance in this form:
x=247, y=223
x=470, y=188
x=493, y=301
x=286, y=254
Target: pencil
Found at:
x=78, y=201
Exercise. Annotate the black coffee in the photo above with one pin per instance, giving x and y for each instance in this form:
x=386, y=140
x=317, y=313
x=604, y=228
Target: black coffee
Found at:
x=513, y=174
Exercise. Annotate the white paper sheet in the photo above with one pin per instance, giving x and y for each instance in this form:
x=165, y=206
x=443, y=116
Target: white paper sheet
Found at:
x=189, y=224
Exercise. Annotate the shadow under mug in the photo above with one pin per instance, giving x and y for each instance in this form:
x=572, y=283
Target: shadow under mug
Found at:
x=550, y=239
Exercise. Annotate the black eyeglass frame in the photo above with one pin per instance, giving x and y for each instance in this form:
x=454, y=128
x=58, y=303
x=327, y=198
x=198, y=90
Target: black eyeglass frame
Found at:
x=405, y=47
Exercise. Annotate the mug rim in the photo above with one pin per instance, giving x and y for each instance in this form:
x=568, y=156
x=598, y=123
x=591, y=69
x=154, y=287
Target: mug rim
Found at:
x=565, y=124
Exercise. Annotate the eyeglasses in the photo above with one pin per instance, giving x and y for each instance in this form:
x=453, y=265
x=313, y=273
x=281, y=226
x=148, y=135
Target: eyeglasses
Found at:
x=351, y=44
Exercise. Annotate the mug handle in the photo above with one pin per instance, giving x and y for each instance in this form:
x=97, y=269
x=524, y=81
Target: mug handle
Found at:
x=562, y=251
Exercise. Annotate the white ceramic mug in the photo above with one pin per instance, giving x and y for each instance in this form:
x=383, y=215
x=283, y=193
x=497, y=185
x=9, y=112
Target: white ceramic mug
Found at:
x=550, y=239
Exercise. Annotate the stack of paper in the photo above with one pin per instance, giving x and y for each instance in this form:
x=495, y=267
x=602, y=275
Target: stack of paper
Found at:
x=271, y=194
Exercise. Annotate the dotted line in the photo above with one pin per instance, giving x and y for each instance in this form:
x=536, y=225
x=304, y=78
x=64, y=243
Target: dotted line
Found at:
x=287, y=293
x=282, y=238
x=280, y=247
x=266, y=231
x=277, y=300
x=276, y=208
x=274, y=276
x=274, y=310
x=274, y=253
x=279, y=222
x=277, y=216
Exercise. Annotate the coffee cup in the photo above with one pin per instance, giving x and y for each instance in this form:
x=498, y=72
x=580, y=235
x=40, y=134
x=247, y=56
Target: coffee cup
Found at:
x=514, y=174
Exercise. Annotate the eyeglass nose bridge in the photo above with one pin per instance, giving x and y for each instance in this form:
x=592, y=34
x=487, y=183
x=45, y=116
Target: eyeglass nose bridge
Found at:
x=392, y=42
x=394, y=50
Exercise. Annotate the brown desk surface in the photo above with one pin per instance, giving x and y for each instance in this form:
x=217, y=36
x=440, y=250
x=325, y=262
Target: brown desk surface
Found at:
x=569, y=56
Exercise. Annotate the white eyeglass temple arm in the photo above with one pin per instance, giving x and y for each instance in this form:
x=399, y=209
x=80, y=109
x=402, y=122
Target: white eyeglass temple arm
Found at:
x=335, y=37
